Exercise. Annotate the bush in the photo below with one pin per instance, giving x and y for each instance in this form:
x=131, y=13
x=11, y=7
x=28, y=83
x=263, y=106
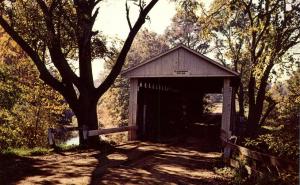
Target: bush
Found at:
x=281, y=141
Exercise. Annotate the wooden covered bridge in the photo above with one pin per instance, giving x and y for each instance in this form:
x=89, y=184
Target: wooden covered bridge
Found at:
x=166, y=100
x=166, y=92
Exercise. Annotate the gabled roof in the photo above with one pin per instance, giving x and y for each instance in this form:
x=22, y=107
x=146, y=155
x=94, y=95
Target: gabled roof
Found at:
x=189, y=63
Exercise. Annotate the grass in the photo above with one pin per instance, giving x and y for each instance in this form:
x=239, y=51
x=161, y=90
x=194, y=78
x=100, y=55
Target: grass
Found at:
x=37, y=151
x=68, y=148
x=26, y=151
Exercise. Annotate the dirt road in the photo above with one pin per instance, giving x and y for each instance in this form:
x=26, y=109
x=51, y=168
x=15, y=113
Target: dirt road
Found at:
x=190, y=162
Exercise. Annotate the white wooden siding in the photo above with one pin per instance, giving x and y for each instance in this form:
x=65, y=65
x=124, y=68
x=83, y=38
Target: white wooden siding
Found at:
x=178, y=63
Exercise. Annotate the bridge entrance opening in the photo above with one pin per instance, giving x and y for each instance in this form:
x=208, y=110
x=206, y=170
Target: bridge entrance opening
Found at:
x=176, y=107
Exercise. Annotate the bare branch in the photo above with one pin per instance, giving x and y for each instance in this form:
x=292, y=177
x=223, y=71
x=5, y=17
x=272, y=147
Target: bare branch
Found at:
x=122, y=55
x=94, y=16
x=55, y=49
x=97, y=2
x=127, y=16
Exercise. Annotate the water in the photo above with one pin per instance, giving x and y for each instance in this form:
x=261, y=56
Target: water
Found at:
x=75, y=140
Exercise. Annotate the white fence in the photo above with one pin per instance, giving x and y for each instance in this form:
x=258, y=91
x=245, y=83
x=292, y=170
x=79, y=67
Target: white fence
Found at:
x=85, y=132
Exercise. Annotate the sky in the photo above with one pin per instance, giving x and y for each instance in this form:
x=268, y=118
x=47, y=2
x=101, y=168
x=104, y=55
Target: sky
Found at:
x=112, y=17
x=112, y=21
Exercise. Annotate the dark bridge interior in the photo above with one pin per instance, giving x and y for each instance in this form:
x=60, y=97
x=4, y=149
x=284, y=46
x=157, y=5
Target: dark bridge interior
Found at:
x=172, y=107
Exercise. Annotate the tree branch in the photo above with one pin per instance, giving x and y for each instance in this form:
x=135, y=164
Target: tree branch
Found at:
x=271, y=106
x=56, y=53
x=122, y=56
x=96, y=2
x=94, y=16
x=127, y=16
x=45, y=75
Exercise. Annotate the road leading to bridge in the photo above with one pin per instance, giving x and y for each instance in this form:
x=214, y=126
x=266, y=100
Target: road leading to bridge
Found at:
x=189, y=161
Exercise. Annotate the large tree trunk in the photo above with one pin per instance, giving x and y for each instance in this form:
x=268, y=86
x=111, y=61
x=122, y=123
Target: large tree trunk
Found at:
x=253, y=120
x=252, y=114
x=256, y=107
x=87, y=117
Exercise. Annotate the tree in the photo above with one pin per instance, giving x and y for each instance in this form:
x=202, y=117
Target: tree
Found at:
x=27, y=106
x=188, y=27
x=64, y=30
x=259, y=34
x=227, y=26
x=283, y=139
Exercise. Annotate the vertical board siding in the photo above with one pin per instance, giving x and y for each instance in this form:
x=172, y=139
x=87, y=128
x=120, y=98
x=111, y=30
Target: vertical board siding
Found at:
x=178, y=60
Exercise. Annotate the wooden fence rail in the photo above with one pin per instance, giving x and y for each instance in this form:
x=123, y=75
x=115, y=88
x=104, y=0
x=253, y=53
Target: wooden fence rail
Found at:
x=267, y=160
x=86, y=133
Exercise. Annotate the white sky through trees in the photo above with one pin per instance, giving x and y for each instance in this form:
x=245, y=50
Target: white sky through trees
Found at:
x=112, y=17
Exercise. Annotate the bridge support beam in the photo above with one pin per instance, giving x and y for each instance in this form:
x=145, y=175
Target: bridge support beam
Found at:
x=228, y=111
x=133, y=108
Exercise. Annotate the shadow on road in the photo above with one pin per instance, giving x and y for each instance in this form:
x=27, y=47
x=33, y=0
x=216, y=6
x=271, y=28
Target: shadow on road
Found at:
x=15, y=168
x=187, y=160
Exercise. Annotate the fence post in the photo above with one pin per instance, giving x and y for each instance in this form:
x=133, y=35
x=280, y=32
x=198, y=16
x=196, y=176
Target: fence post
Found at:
x=51, y=137
x=85, y=132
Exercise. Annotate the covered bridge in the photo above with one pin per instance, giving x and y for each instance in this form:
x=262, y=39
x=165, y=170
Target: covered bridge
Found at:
x=166, y=92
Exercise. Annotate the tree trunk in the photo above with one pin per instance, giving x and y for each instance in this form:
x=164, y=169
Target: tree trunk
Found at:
x=241, y=101
x=87, y=116
x=252, y=114
x=256, y=110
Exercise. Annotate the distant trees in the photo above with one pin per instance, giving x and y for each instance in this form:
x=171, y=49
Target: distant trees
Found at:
x=287, y=96
x=189, y=28
x=53, y=33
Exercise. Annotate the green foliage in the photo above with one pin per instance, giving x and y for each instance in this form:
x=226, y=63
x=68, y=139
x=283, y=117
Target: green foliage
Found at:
x=225, y=171
x=27, y=106
x=280, y=134
x=282, y=142
x=28, y=20
x=239, y=176
x=188, y=27
x=255, y=38
x=290, y=106
x=67, y=148
x=266, y=179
